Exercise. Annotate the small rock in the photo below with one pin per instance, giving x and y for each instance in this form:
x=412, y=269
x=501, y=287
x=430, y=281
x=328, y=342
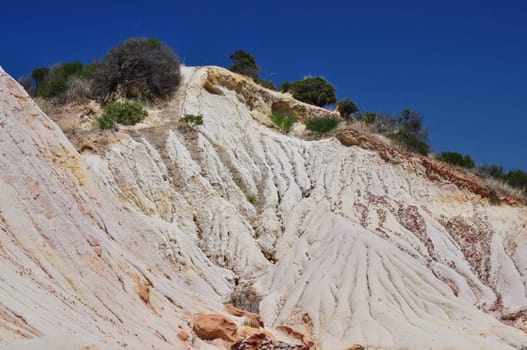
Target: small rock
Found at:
x=183, y=336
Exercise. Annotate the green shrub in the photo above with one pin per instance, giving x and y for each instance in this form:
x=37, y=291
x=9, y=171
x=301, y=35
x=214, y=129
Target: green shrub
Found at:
x=39, y=75
x=192, y=120
x=516, y=178
x=106, y=121
x=491, y=170
x=285, y=86
x=54, y=82
x=410, y=132
x=315, y=91
x=457, y=159
x=322, y=125
x=252, y=198
x=346, y=108
x=369, y=117
x=52, y=88
x=245, y=64
x=283, y=121
x=127, y=113
x=137, y=68
x=410, y=142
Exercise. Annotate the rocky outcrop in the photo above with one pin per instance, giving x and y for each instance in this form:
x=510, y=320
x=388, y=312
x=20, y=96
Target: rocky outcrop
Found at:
x=213, y=326
x=260, y=100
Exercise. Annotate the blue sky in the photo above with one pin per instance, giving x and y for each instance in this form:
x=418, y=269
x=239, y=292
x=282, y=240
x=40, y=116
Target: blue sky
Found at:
x=462, y=64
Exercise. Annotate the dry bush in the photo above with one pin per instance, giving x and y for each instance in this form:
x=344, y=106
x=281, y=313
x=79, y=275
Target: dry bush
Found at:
x=138, y=68
x=501, y=187
x=78, y=89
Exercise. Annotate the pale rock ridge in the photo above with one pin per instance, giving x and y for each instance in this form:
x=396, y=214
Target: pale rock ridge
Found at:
x=367, y=252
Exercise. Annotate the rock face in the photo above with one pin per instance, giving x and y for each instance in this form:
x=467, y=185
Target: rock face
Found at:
x=350, y=245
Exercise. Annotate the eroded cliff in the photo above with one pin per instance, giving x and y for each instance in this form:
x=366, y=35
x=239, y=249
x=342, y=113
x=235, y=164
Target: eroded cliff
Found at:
x=118, y=245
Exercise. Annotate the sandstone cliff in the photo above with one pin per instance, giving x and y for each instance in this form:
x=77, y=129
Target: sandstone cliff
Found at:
x=118, y=241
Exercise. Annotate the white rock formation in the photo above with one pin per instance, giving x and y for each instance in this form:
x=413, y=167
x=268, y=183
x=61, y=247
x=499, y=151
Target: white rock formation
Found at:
x=119, y=247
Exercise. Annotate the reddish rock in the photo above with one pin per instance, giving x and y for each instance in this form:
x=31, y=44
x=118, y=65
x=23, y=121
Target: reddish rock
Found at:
x=310, y=344
x=242, y=313
x=143, y=289
x=213, y=326
x=183, y=336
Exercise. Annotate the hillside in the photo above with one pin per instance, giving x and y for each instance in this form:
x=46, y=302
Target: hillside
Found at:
x=117, y=239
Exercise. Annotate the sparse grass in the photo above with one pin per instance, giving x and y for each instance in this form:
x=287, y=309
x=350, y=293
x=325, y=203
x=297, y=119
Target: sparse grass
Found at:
x=192, y=120
x=283, y=121
x=322, y=125
x=499, y=186
x=251, y=198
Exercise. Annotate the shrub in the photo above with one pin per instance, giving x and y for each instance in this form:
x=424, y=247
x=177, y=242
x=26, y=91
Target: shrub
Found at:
x=127, y=113
x=315, y=91
x=370, y=117
x=138, y=68
x=513, y=179
x=245, y=64
x=410, y=142
x=39, y=75
x=192, y=120
x=283, y=121
x=516, y=178
x=251, y=198
x=412, y=122
x=77, y=89
x=410, y=133
x=53, y=82
x=285, y=86
x=346, y=108
x=494, y=171
x=106, y=121
x=457, y=159
x=322, y=125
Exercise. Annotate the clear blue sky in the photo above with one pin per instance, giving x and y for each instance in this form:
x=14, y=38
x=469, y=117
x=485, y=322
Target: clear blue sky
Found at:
x=462, y=64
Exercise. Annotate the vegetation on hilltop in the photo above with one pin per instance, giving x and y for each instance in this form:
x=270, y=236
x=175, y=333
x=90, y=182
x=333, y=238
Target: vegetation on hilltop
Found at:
x=148, y=70
x=314, y=90
x=244, y=63
x=347, y=108
x=137, y=68
x=143, y=69
x=457, y=159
